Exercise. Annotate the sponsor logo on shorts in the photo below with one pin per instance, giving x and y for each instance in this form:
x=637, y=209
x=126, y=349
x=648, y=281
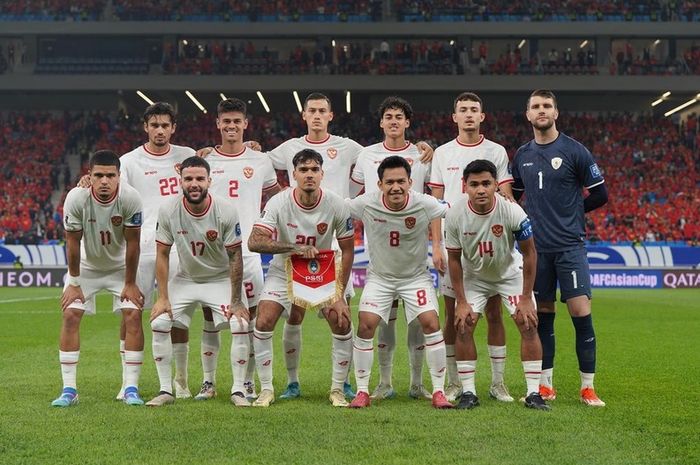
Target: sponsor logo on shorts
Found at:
x=332, y=153
x=117, y=220
x=322, y=228
x=212, y=235
x=410, y=222
x=248, y=172
x=497, y=230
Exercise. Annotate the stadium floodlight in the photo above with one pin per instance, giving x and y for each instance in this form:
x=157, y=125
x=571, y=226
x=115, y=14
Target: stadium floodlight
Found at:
x=348, y=106
x=184, y=41
x=522, y=43
x=262, y=100
x=452, y=42
x=583, y=44
x=143, y=96
x=223, y=97
x=685, y=105
x=661, y=99
x=195, y=101
x=298, y=102
x=657, y=42
x=333, y=42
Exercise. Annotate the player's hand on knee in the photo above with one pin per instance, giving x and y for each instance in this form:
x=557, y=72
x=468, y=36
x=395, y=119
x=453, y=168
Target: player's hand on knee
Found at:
x=307, y=251
x=464, y=316
x=203, y=152
x=341, y=309
x=239, y=311
x=85, y=182
x=526, y=311
x=161, y=306
x=133, y=294
x=70, y=295
x=253, y=145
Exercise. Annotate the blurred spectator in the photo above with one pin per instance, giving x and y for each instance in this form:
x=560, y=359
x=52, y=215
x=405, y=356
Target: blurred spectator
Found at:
x=58, y=10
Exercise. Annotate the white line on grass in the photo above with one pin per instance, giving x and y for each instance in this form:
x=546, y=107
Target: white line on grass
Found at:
x=29, y=299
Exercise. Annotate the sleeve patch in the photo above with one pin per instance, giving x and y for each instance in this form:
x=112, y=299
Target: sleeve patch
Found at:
x=595, y=171
x=137, y=219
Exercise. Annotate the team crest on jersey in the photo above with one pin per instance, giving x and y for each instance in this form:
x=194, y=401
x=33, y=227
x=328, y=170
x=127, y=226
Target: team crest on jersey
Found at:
x=497, y=230
x=178, y=167
x=410, y=222
x=313, y=267
x=117, y=220
x=248, y=172
x=322, y=228
x=556, y=163
x=332, y=153
x=212, y=235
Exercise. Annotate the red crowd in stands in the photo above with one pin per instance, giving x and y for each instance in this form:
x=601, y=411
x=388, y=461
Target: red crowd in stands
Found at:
x=59, y=9
x=650, y=164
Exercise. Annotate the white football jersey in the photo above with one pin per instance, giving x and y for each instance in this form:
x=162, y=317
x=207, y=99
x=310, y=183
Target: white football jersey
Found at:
x=295, y=224
x=339, y=154
x=242, y=178
x=487, y=241
x=365, y=171
x=200, y=239
x=451, y=158
x=102, y=223
x=154, y=177
x=399, y=238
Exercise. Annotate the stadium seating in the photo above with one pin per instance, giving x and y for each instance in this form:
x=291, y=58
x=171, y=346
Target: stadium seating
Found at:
x=350, y=11
x=649, y=163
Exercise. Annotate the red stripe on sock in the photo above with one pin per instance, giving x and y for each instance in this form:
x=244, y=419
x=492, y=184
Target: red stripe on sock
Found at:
x=362, y=350
x=161, y=332
x=497, y=358
x=69, y=363
x=260, y=338
x=133, y=363
x=238, y=333
x=450, y=356
x=533, y=372
x=210, y=332
x=435, y=343
x=465, y=372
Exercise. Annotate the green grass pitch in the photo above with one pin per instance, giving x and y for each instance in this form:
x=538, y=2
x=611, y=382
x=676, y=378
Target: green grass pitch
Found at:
x=648, y=367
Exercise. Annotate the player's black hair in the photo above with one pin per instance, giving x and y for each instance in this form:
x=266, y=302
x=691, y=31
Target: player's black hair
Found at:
x=480, y=166
x=305, y=155
x=231, y=105
x=318, y=96
x=105, y=158
x=194, y=162
x=544, y=93
x=159, y=108
x=468, y=97
x=395, y=103
x=393, y=161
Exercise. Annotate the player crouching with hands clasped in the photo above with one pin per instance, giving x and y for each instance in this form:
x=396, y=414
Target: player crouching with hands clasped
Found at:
x=481, y=231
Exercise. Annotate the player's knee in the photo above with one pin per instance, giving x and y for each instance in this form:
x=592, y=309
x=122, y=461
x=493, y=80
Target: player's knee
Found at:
x=71, y=319
x=430, y=324
x=132, y=320
x=296, y=316
x=494, y=314
x=264, y=322
x=162, y=324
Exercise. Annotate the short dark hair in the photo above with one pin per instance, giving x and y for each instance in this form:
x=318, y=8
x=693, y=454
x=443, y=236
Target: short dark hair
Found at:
x=544, y=93
x=105, y=158
x=194, y=162
x=480, y=166
x=231, y=105
x=305, y=155
x=393, y=161
x=468, y=97
x=395, y=103
x=159, y=108
x=318, y=96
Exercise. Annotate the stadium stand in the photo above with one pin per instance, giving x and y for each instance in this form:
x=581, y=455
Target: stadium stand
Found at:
x=349, y=11
x=650, y=164
x=550, y=10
